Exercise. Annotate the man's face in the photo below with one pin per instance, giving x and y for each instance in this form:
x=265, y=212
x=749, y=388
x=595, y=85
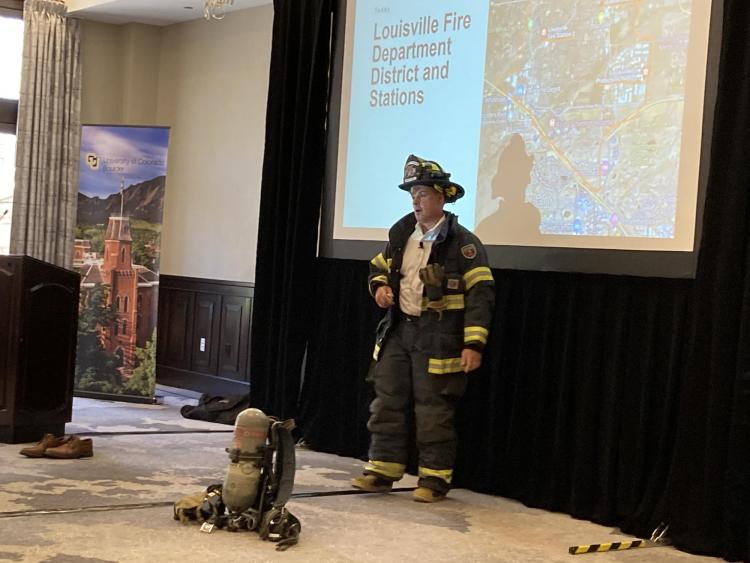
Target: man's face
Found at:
x=427, y=203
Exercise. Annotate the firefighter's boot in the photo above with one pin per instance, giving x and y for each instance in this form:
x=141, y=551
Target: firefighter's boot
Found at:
x=372, y=484
x=423, y=494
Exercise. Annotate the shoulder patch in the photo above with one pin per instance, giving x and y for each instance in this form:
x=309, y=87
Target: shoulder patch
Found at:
x=469, y=251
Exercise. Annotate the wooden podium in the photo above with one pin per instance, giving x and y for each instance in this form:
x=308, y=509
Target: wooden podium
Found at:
x=38, y=337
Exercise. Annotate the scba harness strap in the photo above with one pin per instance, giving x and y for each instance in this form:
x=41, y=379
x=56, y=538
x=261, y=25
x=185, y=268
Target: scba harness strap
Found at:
x=281, y=526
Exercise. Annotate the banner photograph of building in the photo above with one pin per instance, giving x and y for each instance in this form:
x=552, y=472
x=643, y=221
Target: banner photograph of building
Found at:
x=118, y=236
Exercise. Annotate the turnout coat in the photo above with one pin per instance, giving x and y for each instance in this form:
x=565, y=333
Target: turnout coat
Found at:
x=456, y=315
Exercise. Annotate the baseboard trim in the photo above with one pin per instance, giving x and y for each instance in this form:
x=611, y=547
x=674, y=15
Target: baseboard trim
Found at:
x=199, y=382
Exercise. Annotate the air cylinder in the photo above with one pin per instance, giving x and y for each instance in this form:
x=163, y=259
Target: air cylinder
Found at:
x=246, y=460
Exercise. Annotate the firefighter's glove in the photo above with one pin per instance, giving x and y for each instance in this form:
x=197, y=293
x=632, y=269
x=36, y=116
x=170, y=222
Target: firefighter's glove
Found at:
x=186, y=509
x=432, y=277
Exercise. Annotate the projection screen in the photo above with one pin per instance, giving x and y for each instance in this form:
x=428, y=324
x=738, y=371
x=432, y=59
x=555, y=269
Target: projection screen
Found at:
x=577, y=127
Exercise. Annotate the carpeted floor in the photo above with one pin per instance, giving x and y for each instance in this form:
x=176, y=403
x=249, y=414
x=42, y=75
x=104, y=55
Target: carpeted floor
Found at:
x=145, y=454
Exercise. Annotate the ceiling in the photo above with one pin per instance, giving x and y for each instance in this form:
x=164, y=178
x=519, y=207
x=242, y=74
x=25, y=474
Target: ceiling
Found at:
x=151, y=12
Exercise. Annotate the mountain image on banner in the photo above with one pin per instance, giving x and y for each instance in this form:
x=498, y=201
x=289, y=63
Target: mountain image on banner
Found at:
x=143, y=201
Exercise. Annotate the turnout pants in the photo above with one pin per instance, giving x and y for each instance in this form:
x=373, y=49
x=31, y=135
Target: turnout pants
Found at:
x=401, y=382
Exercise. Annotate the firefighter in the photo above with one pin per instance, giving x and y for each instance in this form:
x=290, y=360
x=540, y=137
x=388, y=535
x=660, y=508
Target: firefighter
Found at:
x=435, y=282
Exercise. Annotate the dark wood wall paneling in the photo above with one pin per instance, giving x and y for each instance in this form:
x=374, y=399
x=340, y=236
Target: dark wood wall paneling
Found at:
x=204, y=335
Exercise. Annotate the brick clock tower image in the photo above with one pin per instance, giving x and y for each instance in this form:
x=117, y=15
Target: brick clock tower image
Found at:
x=132, y=289
x=118, y=273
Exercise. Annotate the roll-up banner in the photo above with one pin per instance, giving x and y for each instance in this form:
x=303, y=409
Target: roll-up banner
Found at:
x=123, y=173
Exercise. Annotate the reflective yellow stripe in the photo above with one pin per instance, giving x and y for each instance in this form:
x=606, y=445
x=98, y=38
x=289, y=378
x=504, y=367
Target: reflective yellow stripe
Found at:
x=475, y=334
x=379, y=262
x=444, y=474
x=386, y=468
x=480, y=274
x=476, y=330
x=447, y=302
x=454, y=298
x=388, y=263
x=475, y=281
x=376, y=352
x=453, y=302
x=379, y=280
x=448, y=365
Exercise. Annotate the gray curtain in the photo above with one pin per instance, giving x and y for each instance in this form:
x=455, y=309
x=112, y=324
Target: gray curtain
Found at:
x=49, y=134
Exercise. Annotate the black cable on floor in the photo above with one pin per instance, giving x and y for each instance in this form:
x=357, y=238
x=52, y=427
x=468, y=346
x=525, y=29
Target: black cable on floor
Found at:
x=348, y=492
x=147, y=432
x=104, y=508
x=115, y=507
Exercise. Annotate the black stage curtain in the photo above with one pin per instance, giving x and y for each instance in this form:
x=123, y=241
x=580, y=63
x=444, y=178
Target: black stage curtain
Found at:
x=709, y=485
x=291, y=191
x=621, y=400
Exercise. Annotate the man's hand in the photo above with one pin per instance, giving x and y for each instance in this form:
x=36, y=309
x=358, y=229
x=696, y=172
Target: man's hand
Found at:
x=384, y=296
x=470, y=360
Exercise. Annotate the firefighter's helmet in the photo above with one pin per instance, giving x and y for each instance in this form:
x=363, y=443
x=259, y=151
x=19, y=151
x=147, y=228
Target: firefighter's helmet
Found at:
x=421, y=172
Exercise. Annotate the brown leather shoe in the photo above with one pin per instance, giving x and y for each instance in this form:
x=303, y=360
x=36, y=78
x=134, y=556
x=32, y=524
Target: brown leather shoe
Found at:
x=47, y=441
x=73, y=449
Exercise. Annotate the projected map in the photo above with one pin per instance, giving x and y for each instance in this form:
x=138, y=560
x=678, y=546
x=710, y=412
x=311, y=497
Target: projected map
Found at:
x=582, y=119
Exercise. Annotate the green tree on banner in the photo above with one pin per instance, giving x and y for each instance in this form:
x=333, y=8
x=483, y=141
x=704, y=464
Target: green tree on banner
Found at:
x=96, y=370
x=144, y=375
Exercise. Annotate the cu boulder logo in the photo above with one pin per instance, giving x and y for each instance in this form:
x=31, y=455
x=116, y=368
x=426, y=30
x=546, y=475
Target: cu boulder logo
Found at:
x=92, y=161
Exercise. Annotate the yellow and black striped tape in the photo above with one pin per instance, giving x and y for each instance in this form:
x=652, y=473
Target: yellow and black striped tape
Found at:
x=602, y=547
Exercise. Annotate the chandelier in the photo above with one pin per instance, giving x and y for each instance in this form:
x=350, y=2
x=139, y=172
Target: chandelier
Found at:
x=215, y=9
